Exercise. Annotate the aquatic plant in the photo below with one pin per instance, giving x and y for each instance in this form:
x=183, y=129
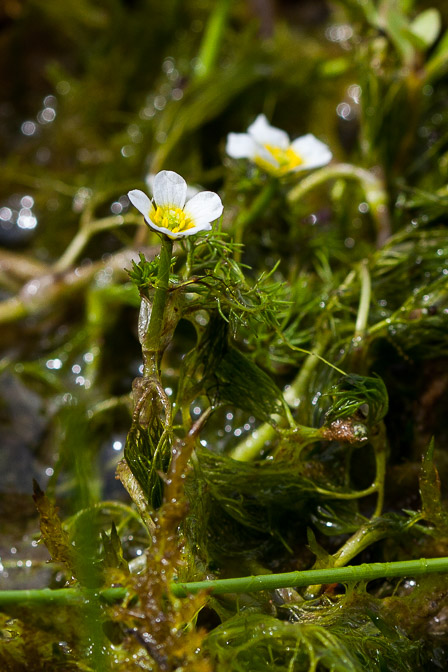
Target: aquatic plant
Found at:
x=235, y=417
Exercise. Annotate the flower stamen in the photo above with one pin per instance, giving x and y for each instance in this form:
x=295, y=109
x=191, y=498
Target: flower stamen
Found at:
x=170, y=217
x=287, y=160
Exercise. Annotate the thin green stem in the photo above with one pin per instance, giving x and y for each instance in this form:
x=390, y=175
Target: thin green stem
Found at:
x=151, y=343
x=118, y=507
x=12, y=309
x=379, y=446
x=256, y=209
x=373, y=187
x=246, y=584
x=366, y=572
x=364, y=301
x=85, y=233
x=211, y=41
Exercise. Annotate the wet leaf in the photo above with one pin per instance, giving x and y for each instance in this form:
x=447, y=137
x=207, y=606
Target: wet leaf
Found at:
x=361, y=397
x=54, y=536
x=430, y=491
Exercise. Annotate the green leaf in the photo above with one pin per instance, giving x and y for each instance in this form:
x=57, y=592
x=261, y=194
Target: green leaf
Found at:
x=362, y=397
x=323, y=558
x=113, y=551
x=54, y=536
x=439, y=58
x=228, y=376
x=430, y=492
x=147, y=452
x=395, y=24
x=338, y=518
x=426, y=27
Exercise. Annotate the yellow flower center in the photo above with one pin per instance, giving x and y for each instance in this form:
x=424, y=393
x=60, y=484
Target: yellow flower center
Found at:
x=171, y=218
x=287, y=160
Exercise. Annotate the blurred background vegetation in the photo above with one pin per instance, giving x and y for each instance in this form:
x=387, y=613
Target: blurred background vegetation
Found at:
x=97, y=95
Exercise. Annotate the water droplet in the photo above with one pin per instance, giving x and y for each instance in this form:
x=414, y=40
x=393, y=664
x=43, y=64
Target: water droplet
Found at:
x=54, y=364
x=28, y=128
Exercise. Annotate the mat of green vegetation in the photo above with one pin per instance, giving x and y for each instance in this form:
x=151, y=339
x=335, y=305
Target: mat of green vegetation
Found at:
x=266, y=397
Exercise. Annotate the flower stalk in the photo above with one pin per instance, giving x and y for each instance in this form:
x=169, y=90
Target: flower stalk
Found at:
x=151, y=341
x=251, y=214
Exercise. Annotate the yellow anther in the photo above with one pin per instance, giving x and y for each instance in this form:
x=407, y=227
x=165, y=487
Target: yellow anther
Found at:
x=170, y=217
x=287, y=160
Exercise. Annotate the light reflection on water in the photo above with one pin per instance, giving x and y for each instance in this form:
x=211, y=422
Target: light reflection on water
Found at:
x=17, y=217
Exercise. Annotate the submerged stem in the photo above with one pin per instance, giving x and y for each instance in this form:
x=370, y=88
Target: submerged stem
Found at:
x=245, y=584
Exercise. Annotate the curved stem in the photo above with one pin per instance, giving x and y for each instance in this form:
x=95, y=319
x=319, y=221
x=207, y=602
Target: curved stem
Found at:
x=85, y=233
x=372, y=186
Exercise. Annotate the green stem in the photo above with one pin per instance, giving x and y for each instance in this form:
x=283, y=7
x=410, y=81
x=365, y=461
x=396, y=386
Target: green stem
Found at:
x=246, y=584
x=372, y=186
x=249, y=448
x=151, y=344
x=12, y=309
x=379, y=446
x=364, y=301
x=211, y=41
x=85, y=233
x=256, y=209
x=366, y=572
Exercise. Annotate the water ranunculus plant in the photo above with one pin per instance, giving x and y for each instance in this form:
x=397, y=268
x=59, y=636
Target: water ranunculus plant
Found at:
x=168, y=212
x=271, y=149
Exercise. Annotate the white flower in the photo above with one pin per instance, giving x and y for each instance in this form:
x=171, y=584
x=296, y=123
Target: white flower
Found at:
x=168, y=213
x=191, y=189
x=271, y=149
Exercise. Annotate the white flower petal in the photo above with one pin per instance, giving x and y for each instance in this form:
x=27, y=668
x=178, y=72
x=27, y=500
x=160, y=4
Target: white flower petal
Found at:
x=267, y=157
x=141, y=201
x=180, y=234
x=163, y=229
x=240, y=146
x=265, y=134
x=203, y=208
x=149, y=179
x=191, y=189
x=195, y=229
x=312, y=151
x=169, y=188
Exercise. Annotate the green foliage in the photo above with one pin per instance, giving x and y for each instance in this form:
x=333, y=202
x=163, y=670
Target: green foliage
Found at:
x=147, y=452
x=144, y=274
x=361, y=397
x=321, y=639
x=129, y=97
x=433, y=508
x=226, y=376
